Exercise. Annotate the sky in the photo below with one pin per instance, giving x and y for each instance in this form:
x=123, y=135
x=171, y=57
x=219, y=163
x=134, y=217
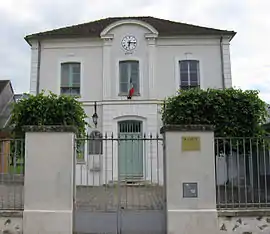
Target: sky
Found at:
x=250, y=48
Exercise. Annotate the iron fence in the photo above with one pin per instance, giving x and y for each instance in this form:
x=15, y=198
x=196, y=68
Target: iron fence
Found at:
x=11, y=173
x=242, y=172
x=119, y=172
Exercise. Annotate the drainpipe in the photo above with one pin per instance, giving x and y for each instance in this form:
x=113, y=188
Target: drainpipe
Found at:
x=222, y=62
x=38, y=66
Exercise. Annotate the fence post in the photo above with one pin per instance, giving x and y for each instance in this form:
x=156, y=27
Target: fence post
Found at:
x=48, y=185
x=190, y=179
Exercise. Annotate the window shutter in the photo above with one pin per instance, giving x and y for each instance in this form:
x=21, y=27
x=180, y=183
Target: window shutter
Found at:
x=189, y=74
x=124, y=80
x=70, y=78
x=134, y=75
x=184, y=73
x=129, y=72
x=64, y=75
x=194, y=73
x=76, y=74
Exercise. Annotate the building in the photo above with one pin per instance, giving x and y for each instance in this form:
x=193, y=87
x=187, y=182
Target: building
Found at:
x=6, y=101
x=127, y=66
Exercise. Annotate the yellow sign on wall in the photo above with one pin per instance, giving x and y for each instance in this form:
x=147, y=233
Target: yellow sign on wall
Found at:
x=191, y=143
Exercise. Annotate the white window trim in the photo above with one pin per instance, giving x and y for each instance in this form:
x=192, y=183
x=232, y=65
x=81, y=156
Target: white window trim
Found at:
x=71, y=60
x=177, y=70
x=131, y=58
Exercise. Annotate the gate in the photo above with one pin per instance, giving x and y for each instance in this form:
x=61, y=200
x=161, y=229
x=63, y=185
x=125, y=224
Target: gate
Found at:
x=119, y=184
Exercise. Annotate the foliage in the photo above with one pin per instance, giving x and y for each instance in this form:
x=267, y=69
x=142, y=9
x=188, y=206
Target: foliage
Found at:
x=42, y=110
x=233, y=112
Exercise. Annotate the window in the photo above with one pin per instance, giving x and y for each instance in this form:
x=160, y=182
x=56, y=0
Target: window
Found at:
x=70, y=78
x=189, y=74
x=95, y=143
x=130, y=126
x=128, y=77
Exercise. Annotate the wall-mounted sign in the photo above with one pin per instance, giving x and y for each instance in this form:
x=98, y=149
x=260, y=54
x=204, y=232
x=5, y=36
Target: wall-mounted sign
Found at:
x=191, y=143
x=190, y=190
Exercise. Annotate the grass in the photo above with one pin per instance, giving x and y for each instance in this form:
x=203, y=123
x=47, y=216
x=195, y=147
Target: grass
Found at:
x=16, y=170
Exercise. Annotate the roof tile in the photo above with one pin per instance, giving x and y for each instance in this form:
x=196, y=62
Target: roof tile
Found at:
x=94, y=28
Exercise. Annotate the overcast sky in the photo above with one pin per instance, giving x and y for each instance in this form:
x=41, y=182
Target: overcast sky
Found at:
x=250, y=48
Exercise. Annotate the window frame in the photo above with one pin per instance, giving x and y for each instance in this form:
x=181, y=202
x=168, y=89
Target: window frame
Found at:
x=177, y=60
x=188, y=86
x=140, y=78
x=72, y=59
x=70, y=66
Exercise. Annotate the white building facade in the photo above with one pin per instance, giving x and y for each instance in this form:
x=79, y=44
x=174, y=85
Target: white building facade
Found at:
x=102, y=60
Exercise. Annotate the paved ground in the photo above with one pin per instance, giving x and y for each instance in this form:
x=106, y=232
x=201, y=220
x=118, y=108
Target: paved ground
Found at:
x=100, y=198
x=128, y=197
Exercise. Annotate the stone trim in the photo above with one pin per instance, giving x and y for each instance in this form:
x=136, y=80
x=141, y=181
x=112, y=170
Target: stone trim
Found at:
x=14, y=214
x=56, y=128
x=244, y=213
x=187, y=128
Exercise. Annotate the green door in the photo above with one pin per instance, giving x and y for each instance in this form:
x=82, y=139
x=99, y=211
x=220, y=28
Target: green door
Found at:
x=130, y=151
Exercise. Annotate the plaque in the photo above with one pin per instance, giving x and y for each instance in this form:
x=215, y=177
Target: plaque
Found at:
x=191, y=143
x=190, y=190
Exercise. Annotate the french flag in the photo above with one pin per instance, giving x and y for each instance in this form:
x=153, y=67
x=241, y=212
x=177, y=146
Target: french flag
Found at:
x=131, y=90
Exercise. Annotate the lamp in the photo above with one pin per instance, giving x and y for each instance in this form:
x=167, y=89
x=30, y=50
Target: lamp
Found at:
x=95, y=116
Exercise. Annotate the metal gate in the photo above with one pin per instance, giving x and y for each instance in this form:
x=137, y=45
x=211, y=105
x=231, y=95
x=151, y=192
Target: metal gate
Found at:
x=107, y=201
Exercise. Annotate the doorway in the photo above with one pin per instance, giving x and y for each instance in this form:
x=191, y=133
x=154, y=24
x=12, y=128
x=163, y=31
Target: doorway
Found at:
x=130, y=150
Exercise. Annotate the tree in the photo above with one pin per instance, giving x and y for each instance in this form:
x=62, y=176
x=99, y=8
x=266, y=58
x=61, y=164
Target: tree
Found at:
x=233, y=112
x=45, y=110
x=48, y=110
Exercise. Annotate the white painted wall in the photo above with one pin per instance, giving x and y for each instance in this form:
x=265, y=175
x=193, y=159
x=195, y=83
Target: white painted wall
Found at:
x=159, y=71
x=169, y=52
x=111, y=114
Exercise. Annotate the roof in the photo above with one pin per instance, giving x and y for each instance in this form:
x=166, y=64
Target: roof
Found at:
x=3, y=84
x=94, y=28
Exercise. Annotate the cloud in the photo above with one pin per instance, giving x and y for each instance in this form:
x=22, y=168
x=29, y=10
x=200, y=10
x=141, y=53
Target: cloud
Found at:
x=250, y=48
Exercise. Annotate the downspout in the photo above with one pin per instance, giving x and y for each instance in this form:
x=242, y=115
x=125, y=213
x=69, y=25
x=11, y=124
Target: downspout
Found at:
x=38, y=67
x=222, y=62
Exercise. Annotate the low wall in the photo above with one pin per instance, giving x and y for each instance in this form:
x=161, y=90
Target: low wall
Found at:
x=11, y=221
x=244, y=222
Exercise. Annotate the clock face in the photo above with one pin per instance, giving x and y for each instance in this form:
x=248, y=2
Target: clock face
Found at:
x=129, y=43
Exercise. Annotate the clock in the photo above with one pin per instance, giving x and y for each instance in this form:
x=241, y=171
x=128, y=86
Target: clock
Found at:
x=129, y=43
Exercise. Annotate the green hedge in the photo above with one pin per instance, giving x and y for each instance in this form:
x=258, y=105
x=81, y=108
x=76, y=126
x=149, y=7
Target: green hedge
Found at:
x=233, y=112
x=42, y=110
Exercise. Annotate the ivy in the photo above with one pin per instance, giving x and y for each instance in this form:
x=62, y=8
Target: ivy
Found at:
x=233, y=112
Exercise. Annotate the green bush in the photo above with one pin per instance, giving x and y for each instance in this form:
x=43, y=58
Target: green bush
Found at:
x=42, y=110
x=233, y=112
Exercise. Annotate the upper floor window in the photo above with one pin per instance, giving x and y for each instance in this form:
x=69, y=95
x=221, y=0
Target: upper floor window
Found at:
x=129, y=77
x=189, y=74
x=70, y=78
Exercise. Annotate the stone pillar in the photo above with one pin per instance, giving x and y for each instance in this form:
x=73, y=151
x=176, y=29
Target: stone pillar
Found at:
x=49, y=180
x=190, y=179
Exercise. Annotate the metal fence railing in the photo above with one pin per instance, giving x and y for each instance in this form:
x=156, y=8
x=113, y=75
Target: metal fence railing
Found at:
x=120, y=172
x=11, y=173
x=242, y=173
